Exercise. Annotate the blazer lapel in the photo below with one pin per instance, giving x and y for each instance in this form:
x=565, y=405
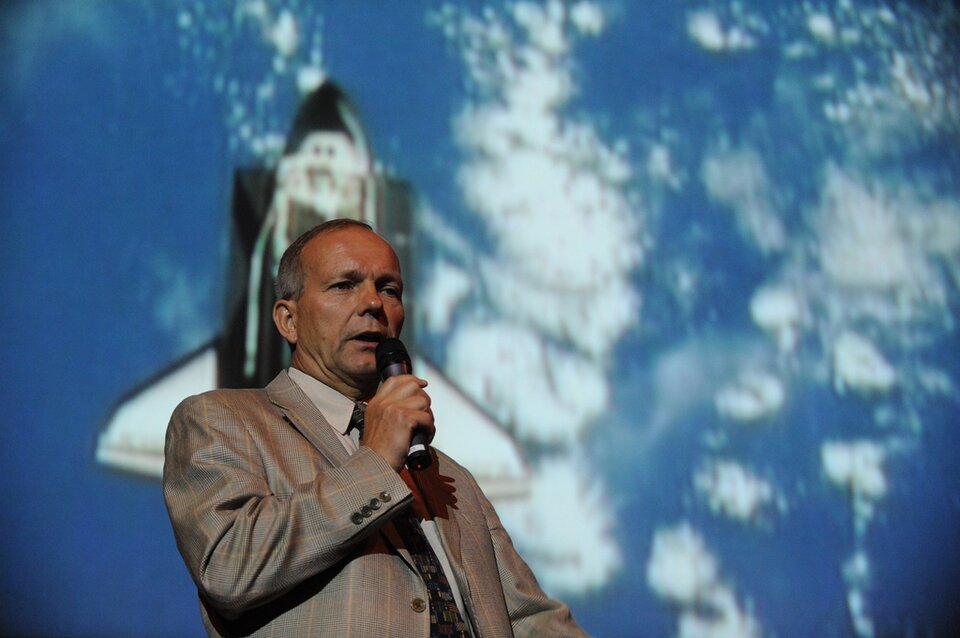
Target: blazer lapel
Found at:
x=300, y=412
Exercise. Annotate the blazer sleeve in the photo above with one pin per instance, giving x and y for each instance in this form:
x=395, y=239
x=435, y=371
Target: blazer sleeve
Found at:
x=532, y=612
x=243, y=544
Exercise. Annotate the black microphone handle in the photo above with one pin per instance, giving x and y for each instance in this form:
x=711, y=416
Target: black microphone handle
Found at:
x=418, y=456
x=394, y=369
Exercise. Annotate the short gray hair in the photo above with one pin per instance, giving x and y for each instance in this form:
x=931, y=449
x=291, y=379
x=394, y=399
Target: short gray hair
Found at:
x=290, y=276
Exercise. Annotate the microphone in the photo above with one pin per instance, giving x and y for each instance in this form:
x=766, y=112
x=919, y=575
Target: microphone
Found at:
x=392, y=359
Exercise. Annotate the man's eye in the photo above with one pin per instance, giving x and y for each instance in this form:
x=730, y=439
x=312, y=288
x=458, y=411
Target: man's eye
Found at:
x=391, y=291
x=342, y=285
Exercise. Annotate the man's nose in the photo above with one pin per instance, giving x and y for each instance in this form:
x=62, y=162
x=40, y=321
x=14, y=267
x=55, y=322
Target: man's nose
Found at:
x=370, y=300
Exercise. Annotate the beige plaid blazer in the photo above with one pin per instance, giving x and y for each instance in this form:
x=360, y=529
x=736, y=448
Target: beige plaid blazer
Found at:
x=285, y=534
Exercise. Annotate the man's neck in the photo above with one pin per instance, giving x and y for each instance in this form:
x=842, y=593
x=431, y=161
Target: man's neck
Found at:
x=351, y=390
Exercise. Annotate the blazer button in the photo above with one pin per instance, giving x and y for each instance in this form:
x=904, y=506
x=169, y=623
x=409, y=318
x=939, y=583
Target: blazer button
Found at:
x=357, y=518
x=374, y=503
x=418, y=604
x=366, y=511
x=385, y=497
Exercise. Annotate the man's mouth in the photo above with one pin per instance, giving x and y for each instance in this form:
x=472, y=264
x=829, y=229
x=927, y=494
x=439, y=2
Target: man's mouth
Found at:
x=370, y=338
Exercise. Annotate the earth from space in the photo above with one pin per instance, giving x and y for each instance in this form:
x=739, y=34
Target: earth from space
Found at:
x=699, y=261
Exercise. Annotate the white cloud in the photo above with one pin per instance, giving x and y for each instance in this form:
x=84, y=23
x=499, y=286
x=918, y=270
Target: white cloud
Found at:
x=566, y=557
x=557, y=395
x=704, y=28
x=732, y=490
x=683, y=571
x=863, y=244
x=446, y=286
x=738, y=179
x=856, y=466
x=858, y=365
x=591, y=319
x=554, y=293
x=680, y=566
x=778, y=310
x=587, y=17
x=754, y=396
x=822, y=27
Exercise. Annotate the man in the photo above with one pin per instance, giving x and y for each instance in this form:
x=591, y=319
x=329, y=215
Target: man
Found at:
x=290, y=528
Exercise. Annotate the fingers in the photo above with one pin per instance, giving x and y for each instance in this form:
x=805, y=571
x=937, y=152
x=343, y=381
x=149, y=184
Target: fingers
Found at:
x=404, y=391
x=402, y=384
x=400, y=407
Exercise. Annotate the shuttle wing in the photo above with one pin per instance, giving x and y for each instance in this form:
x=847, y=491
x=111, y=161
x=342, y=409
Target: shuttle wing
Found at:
x=133, y=438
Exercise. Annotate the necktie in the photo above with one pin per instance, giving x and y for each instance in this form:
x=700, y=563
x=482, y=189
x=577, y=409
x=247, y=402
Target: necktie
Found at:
x=355, y=429
x=445, y=618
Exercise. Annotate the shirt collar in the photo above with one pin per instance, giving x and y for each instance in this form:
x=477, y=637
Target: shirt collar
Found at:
x=335, y=407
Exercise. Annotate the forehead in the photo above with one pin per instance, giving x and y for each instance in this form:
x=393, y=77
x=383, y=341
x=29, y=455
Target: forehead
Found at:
x=350, y=249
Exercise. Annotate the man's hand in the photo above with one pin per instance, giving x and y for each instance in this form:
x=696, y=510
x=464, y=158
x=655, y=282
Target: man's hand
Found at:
x=399, y=407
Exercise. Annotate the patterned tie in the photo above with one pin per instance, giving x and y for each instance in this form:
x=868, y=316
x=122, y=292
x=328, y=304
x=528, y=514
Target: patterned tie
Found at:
x=445, y=618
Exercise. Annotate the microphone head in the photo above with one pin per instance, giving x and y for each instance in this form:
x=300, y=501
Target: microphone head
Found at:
x=392, y=358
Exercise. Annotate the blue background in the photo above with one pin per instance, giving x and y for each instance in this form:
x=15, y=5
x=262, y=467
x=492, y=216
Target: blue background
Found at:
x=115, y=174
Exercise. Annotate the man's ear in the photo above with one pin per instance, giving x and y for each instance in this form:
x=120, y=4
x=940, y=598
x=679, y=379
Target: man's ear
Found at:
x=285, y=318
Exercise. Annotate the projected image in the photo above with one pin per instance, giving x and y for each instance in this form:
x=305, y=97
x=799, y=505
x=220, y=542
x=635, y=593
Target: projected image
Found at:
x=683, y=278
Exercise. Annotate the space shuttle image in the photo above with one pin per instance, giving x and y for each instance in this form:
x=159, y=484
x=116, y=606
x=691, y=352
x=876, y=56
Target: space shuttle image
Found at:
x=327, y=171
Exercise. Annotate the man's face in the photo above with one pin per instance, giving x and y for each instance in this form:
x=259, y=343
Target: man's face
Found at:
x=352, y=300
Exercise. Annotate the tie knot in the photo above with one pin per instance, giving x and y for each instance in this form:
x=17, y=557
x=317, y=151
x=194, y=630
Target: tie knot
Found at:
x=356, y=419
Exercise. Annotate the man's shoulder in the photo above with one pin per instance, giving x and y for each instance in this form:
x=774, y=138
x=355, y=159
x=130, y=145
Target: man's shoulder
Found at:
x=238, y=396
x=224, y=398
x=448, y=466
